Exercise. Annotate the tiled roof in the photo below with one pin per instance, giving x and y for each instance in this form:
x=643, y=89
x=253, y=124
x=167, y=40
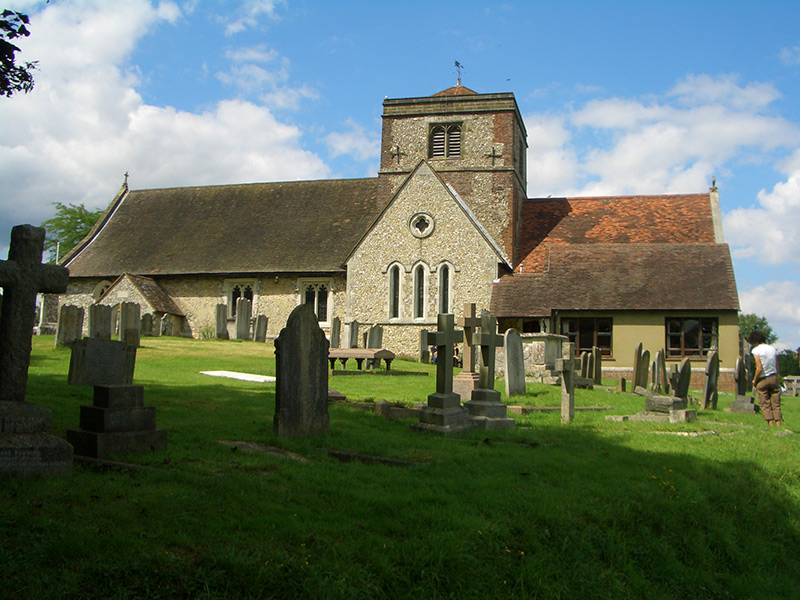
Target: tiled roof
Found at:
x=678, y=219
x=155, y=295
x=294, y=227
x=457, y=90
x=615, y=277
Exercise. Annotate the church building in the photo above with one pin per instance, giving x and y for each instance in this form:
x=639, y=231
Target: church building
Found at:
x=445, y=222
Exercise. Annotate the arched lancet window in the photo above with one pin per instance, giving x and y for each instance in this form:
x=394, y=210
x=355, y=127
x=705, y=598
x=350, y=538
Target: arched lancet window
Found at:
x=444, y=289
x=240, y=291
x=445, y=141
x=419, y=292
x=316, y=294
x=394, y=292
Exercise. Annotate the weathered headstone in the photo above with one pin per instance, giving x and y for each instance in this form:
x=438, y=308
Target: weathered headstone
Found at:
x=644, y=371
x=710, y=392
x=486, y=409
x=147, y=325
x=514, y=363
x=444, y=413
x=660, y=384
x=374, y=341
x=742, y=403
x=25, y=446
x=130, y=322
x=637, y=365
x=167, y=326
x=70, y=325
x=597, y=362
x=424, y=351
x=566, y=366
x=116, y=423
x=336, y=332
x=301, y=371
x=96, y=361
x=261, y=328
x=243, y=315
x=682, y=379
x=352, y=335
x=749, y=364
x=467, y=380
x=100, y=317
x=221, y=324
x=585, y=364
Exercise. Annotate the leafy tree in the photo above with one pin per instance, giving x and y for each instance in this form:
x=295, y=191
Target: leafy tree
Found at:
x=69, y=226
x=788, y=363
x=14, y=78
x=751, y=322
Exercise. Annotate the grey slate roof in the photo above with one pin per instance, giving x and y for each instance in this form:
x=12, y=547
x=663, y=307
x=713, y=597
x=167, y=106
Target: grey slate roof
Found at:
x=288, y=227
x=615, y=277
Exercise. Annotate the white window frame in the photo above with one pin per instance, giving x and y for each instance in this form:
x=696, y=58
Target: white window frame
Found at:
x=302, y=284
x=230, y=284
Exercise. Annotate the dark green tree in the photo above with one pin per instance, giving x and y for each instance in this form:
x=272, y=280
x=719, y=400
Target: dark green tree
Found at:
x=69, y=226
x=14, y=77
x=788, y=363
x=751, y=322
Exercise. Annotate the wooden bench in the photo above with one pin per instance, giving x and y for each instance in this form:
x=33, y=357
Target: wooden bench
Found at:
x=360, y=354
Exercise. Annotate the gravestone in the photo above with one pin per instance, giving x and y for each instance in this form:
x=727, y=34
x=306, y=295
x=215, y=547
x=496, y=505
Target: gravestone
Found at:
x=130, y=322
x=167, y=326
x=48, y=314
x=710, y=391
x=584, y=364
x=114, y=321
x=336, y=332
x=243, y=315
x=352, y=335
x=566, y=367
x=444, y=413
x=660, y=384
x=424, y=351
x=374, y=341
x=70, y=325
x=221, y=324
x=100, y=317
x=597, y=360
x=514, y=363
x=261, y=328
x=301, y=371
x=96, y=361
x=742, y=403
x=640, y=386
x=116, y=423
x=681, y=380
x=486, y=409
x=637, y=364
x=468, y=379
x=749, y=365
x=147, y=325
x=25, y=446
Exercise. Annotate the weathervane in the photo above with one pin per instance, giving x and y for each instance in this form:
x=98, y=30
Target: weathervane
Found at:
x=459, y=66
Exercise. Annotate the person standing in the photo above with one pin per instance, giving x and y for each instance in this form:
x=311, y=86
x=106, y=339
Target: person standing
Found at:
x=765, y=379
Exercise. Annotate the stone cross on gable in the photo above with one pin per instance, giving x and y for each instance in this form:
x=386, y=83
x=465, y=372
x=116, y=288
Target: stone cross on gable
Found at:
x=444, y=339
x=23, y=276
x=470, y=322
x=488, y=339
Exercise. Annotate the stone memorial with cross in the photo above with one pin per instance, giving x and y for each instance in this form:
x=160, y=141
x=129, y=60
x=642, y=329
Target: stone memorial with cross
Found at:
x=566, y=366
x=444, y=413
x=467, y=380
x=486, y=409
x=25, y=446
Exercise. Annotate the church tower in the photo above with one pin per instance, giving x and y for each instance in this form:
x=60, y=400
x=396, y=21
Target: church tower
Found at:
x=475, y=142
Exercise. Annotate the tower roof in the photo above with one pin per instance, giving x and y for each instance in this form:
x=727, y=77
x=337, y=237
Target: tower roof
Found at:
x=457, y=90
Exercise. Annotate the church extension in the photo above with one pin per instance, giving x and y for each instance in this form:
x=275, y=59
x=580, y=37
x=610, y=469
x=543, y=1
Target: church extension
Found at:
x=446, y=221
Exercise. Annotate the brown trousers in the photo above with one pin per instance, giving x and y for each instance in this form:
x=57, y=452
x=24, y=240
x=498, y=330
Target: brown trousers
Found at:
x=769, y=397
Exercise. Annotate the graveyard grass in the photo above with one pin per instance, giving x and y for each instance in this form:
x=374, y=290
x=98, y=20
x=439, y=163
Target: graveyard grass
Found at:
x=591, y=509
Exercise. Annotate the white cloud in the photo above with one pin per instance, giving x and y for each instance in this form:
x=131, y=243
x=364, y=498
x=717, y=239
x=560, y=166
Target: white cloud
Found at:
x=779, y=302
x=790, y=56
x=248, y=14
x=552, y=163
x=355, y=142
x=85, y=124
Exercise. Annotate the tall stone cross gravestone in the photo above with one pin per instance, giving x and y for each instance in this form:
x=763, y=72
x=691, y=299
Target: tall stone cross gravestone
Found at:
x=444, y=413
x=25, y=446
x=566, y=364
x=301, y=372
x=467, y=380
x=486, y=410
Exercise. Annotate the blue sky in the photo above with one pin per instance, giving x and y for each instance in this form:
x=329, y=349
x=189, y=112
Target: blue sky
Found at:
x=618, y=98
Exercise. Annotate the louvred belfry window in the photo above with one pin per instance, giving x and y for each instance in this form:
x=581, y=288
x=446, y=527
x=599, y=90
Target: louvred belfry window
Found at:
x=445, y=141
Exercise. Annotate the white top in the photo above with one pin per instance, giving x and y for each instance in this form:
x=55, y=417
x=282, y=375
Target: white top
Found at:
x=769, y=359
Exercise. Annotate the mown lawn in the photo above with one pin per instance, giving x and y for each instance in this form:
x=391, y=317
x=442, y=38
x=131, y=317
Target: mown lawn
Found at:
x=709, y=509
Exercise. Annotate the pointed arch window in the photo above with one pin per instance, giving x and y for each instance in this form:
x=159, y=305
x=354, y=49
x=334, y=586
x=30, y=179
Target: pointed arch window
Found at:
x=394, y=292
x=316, y=294
x=419, y=292
x=445, y=141
x=444, y=289
x=236, y=290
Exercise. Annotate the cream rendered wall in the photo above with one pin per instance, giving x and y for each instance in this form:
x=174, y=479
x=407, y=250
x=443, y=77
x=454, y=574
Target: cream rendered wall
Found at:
x=455, y=239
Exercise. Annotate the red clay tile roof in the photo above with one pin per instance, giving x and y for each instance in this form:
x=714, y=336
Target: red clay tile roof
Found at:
x=457, y=90
x=547, y=222
x=295, y=227
x=615, y=277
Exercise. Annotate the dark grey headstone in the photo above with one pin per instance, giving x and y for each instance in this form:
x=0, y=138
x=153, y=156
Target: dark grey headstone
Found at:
x=70, y=325
x=261, y=328
x=100, y=318
x=147, y=324
x=301, y=387
x=584, y=365
x=130, y=322
x=336, y=332
x=375, y=337
x=424, y=350
x=244, y=310
x=681, y=387
x=566, y=366
x=597, y=363
x=644, y=369
x=514, y=363
x=637, y=365
x=710, y=392
x=221, y=332
x=740, y=377
x=352, y=335
x=95, y=361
